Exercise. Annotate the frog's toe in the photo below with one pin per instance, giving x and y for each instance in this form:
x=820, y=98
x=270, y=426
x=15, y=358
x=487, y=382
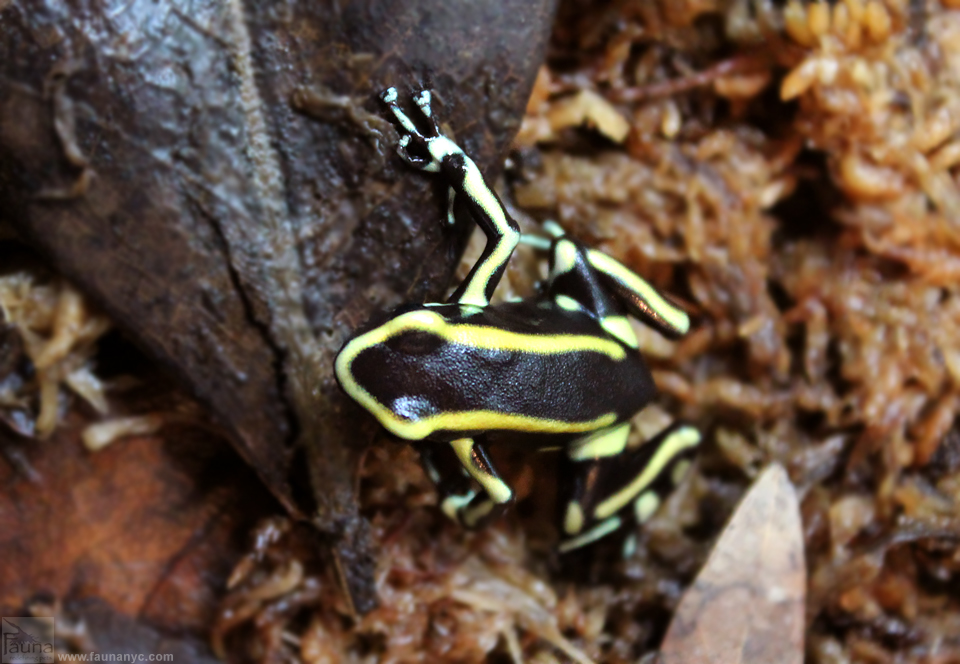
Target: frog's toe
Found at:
x=454, y=504
x=598, y=530
x=413, y=150
x=423, y=100
x=554, y=229
x=389, y=97
x=481, y=512
x=471, y=510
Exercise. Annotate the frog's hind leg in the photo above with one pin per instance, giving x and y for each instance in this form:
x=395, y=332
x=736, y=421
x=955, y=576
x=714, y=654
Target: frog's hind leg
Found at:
x=610, y=483
x=453, y=469
x=575, y=286
x=639, y=297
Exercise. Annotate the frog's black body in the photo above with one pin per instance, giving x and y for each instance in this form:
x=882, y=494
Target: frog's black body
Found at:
x=438, y=376
x=560, y=370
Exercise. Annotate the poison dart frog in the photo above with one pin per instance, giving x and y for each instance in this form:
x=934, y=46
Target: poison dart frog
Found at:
x=561, y=370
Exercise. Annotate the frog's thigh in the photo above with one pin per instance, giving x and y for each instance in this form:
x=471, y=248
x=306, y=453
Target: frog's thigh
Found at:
x=607, y=483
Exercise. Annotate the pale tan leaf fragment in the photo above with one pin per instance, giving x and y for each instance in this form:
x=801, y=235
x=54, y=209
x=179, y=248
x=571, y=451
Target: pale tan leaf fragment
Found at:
x=100, y=434
x=587, y=107
x=747, y=604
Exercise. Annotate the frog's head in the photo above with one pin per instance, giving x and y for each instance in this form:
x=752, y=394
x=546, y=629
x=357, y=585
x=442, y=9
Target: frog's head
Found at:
x=388, y=369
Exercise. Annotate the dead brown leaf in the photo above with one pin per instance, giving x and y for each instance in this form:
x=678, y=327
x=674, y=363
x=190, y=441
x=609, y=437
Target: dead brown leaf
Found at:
x=237, y=240
x=150, y=528
x=747, y=604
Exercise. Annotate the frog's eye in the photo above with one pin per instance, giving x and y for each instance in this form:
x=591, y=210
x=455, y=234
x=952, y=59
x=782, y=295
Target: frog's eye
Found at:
x=415, y=343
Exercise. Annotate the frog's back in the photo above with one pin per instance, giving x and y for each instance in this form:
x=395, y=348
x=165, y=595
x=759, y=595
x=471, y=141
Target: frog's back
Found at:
x=526, y=366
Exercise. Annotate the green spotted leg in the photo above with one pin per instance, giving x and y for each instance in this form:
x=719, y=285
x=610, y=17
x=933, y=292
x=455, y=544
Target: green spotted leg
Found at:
x=612, y=485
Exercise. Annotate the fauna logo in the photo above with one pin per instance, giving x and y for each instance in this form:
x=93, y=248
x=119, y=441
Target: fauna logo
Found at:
x=26, y=641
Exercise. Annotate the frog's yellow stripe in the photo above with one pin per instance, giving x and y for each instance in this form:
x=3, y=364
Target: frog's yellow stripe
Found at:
x=675, y=317
x=601, y=444
x=491, y=338
x=674, y=444
x=619, y=327
x=475, y=420
x=479, y=336
x=564, y=257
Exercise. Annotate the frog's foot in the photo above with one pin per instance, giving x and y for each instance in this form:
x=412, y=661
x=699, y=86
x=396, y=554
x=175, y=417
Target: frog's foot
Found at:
x=552, y=228
x=471, y=509
x=611, y=484
x=459, y=498
x=414, y=146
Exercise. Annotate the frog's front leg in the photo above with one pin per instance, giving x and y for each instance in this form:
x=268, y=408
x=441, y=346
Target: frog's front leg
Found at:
x=609, y=483
x=503, y=233
x=452, y=474
x=434, y=152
